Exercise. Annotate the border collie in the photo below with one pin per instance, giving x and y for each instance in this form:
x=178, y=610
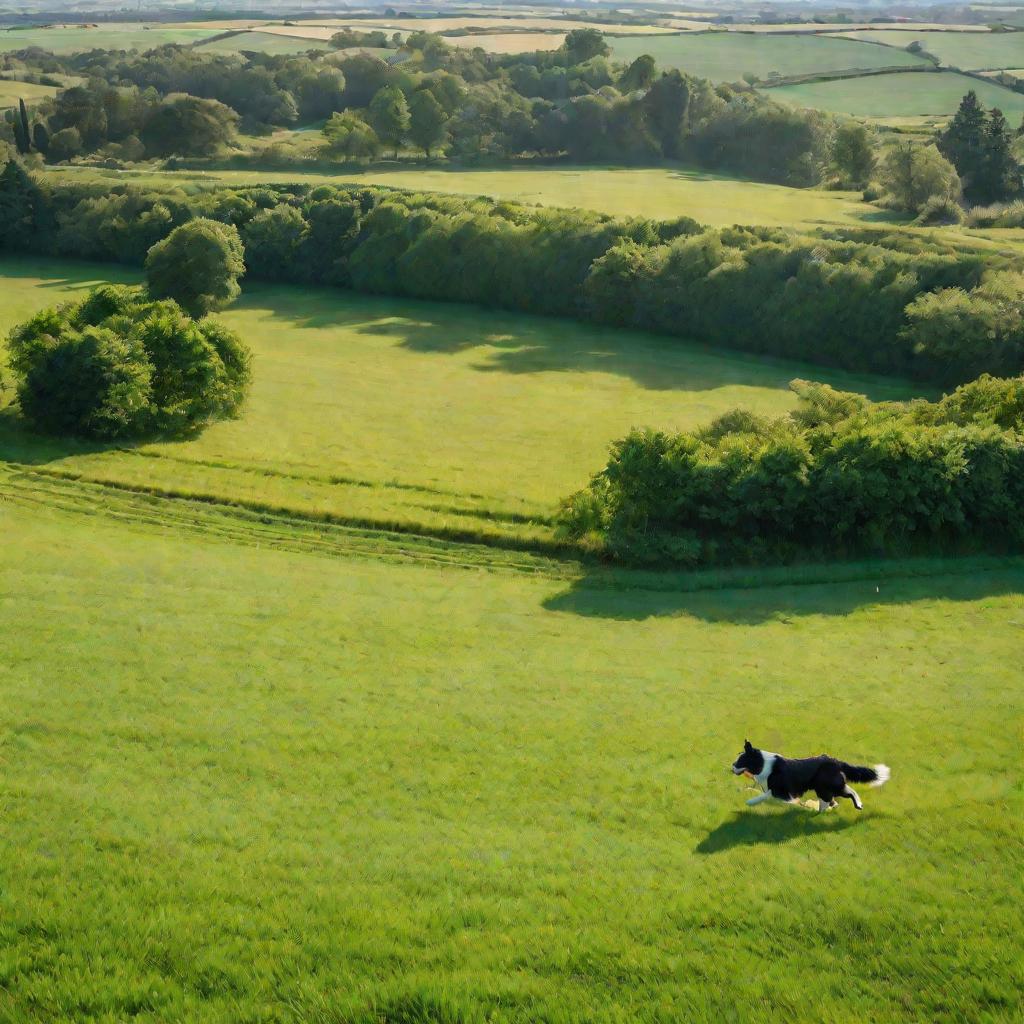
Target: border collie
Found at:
x=786, y=779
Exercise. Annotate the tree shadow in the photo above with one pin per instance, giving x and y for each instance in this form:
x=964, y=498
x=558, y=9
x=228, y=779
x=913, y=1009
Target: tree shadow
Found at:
x=756, y=598
x=748, y=828
x=524, y=343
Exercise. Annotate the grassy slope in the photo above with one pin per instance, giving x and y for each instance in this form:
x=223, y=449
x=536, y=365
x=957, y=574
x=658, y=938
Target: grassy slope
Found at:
x=662, y=192
x=969, y=50
x=485, y=413
x=11, y=92
x=125, y=36
x=899, y=95
x=265, y=42
x=727, y=56
x=245, y=785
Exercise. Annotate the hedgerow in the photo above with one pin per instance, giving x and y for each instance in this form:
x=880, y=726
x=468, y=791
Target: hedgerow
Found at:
x=863, y=301
x=840, y=476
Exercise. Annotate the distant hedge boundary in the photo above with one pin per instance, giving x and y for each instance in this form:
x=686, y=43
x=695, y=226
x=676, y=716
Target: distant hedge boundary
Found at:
x=859, y=299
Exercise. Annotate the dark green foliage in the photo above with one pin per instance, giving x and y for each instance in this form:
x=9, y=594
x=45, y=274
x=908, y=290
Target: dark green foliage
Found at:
x=197, y=265
x=114, y=366
x=639, y=75
x=427, y=121
x=853, y=154
x=581, y=44
x=979, y=146
x=388, y=114
x=41, y=137
x=22, y=207
x=861, y=299
x=1000, y=175
x=839, y=477
x=22, y=137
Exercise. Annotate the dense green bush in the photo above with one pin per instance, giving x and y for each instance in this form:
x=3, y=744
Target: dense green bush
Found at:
x=856, y=298
x=839, y=476
x=197, y=265
x=116, y=366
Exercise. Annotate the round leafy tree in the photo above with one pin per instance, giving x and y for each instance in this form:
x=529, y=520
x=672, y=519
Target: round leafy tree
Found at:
x=197, y=265
x=116, y=366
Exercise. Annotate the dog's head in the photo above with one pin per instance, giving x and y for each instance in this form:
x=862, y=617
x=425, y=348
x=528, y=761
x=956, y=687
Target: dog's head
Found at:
x=751, y=760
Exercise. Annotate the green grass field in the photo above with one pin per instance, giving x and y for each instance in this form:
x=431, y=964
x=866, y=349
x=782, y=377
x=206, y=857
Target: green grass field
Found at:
x=265, y=42
x=726, y=57
x=11, y=92
x=900, y=95
x=251, y=774
x=968, y=50
x=662, y=192
x=112, y=36
x=492, y=417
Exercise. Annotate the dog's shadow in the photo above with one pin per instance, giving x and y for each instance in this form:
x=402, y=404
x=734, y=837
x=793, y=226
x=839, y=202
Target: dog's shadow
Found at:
x=746, y=829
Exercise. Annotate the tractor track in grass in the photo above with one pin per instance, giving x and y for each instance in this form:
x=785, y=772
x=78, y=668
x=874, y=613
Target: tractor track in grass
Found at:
x=236, y=523
x=248, y=523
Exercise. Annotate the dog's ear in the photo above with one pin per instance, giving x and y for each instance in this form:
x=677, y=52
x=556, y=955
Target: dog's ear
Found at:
x=746, y=745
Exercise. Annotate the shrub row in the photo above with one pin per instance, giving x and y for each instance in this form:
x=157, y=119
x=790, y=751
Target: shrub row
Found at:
x=868, y=302
x=840, y=476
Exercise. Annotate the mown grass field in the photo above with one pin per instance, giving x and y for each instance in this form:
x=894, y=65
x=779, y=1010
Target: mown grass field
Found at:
x=967, y=50
x=253, y=773
x=727, y=56
x=660, y=192
x=108, y=36
x=899, y=95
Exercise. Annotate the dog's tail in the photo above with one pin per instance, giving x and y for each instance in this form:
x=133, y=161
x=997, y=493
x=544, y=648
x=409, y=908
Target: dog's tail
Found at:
x=877, y=776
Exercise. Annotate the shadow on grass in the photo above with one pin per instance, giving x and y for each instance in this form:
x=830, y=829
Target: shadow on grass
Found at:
x=754, y=829
x=778, y=596
x=523, y=343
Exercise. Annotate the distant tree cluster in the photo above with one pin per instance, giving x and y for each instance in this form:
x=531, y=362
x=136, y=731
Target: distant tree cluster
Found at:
x=572, y=102
x=840, y=476
x=978, y=144
x=114, y=365
x=125, y=123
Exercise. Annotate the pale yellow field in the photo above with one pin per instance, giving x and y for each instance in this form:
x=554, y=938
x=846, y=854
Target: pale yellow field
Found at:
x=661, y=193
x=11, y=92
x=301, y=31
x=510, y=42
x=499, y=23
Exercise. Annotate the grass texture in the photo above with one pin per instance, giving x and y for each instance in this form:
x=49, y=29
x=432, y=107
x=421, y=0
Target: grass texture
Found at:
x=968, y=50
x=727, y=56
x=899, y=95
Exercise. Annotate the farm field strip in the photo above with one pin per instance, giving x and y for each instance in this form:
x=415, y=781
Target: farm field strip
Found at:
x=113, y=36
x=727, y=56
x=968, y=50
x=11, y=91
x=899, y=95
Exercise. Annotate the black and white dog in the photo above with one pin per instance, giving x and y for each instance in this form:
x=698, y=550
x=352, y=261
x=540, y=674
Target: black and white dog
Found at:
x=786, y=779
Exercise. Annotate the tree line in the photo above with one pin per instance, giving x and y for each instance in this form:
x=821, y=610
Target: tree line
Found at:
x=840, y=476
x=857, y=299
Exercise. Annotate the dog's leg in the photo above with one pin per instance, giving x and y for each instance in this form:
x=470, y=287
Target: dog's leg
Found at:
x=759, y=799
x=849, y=793
x=825, y=805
